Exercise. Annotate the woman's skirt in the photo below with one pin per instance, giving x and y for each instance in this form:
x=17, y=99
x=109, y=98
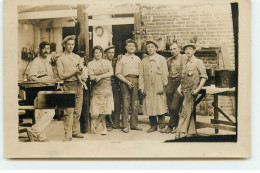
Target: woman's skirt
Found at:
x=102, y=101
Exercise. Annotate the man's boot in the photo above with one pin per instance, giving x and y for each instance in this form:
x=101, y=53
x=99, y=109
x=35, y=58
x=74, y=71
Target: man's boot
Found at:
x=152, y=129
x=153, y=123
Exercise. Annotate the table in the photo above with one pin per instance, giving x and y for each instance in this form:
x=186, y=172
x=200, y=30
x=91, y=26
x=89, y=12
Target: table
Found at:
x=28, y=91
x=217, y=124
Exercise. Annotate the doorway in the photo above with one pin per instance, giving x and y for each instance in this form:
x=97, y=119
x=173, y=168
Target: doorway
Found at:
x=120, y=34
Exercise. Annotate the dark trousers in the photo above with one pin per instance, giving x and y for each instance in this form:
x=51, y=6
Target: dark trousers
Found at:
x=161, y=120
x=117, y=105
x=130, y=99
x=174, y=100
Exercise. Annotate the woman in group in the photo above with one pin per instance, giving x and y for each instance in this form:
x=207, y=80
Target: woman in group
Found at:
x=102, y=103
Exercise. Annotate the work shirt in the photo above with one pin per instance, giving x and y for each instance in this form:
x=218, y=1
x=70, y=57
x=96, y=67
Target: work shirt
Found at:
x=193, y=71
x=41, y=67
x=175, y=65
x=69, y=64
x=128, y=65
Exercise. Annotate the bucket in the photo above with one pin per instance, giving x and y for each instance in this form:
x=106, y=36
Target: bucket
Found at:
x=225, y=78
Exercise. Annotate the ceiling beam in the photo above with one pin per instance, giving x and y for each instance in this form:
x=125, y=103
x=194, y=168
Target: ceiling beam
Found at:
x=73, y=13
x=112, y=21
x=91, y=22
x=47, y=14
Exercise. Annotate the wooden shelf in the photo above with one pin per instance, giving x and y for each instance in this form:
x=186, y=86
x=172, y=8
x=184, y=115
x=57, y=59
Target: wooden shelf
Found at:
x=211, y=52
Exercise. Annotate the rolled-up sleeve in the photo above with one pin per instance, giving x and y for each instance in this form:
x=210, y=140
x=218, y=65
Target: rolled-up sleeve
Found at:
x=202, y=69
x=34, y=70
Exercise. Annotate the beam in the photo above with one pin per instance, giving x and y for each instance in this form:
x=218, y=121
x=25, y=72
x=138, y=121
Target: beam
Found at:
x=200, y=125
x=223, y=113
x=47, y=14
x=222, y=122
x=73, y=13
x=115, y=10
x=112, y=21
x=91, y=22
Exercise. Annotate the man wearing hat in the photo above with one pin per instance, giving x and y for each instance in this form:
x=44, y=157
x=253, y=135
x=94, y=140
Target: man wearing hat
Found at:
x=127, y=72
x=110, y=53
x=193, y=79
x=174, y=98
x=68, y=69
x=153, y=80
x=41, y=71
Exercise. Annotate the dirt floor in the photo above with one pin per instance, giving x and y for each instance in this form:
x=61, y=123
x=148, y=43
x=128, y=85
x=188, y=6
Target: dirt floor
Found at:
x=55, y=132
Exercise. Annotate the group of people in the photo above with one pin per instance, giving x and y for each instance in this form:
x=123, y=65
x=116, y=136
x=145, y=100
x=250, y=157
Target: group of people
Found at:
x=166, y=86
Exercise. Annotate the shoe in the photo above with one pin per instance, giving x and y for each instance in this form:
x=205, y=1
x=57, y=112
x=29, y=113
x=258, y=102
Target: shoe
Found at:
x=31, y=137
x=109, y=129
x=174, y=130
x=183, y=135
x=67, y=139
x=77, y=136
x=166, y=130
x=163, y=130
x=116, y=127
x=126, y=130
x=152, y=129
x=44, y=140
x=136, y=128
x=191, y=135
x=162, y=126
x=180, y=135
x=169, y=130
x=104, y=132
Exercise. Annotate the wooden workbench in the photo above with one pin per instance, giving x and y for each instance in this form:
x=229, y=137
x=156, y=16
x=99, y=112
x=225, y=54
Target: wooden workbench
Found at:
x=215, y=123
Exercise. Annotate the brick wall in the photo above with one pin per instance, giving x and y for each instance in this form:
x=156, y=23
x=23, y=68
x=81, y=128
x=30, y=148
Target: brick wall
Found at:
x=210, y=22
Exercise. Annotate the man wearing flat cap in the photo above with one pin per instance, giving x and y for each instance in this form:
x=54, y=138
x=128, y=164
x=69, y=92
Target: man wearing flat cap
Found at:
x=193, y=79
x=127, y=72
x=153, y=73
x=110, y=53
x=68, y=69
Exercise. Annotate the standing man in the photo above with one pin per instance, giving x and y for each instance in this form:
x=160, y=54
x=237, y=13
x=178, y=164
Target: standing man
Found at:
x=41, y=71
x=127, y=72
x=152, y=83
x=194, y=77
x=110, y=53
x=67, y=66
x=174, y=99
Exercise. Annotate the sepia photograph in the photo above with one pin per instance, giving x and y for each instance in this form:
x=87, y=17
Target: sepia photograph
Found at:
x=135, y=79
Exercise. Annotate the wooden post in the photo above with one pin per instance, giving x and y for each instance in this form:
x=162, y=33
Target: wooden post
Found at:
x=137, y=27
x=81, y=36
x=83, y=50
x=215, y=110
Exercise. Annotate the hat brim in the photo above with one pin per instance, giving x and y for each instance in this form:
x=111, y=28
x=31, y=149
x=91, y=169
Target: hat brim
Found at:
x=111, y=47
x=184, y=47
x=152, y=42
x=67, y=38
